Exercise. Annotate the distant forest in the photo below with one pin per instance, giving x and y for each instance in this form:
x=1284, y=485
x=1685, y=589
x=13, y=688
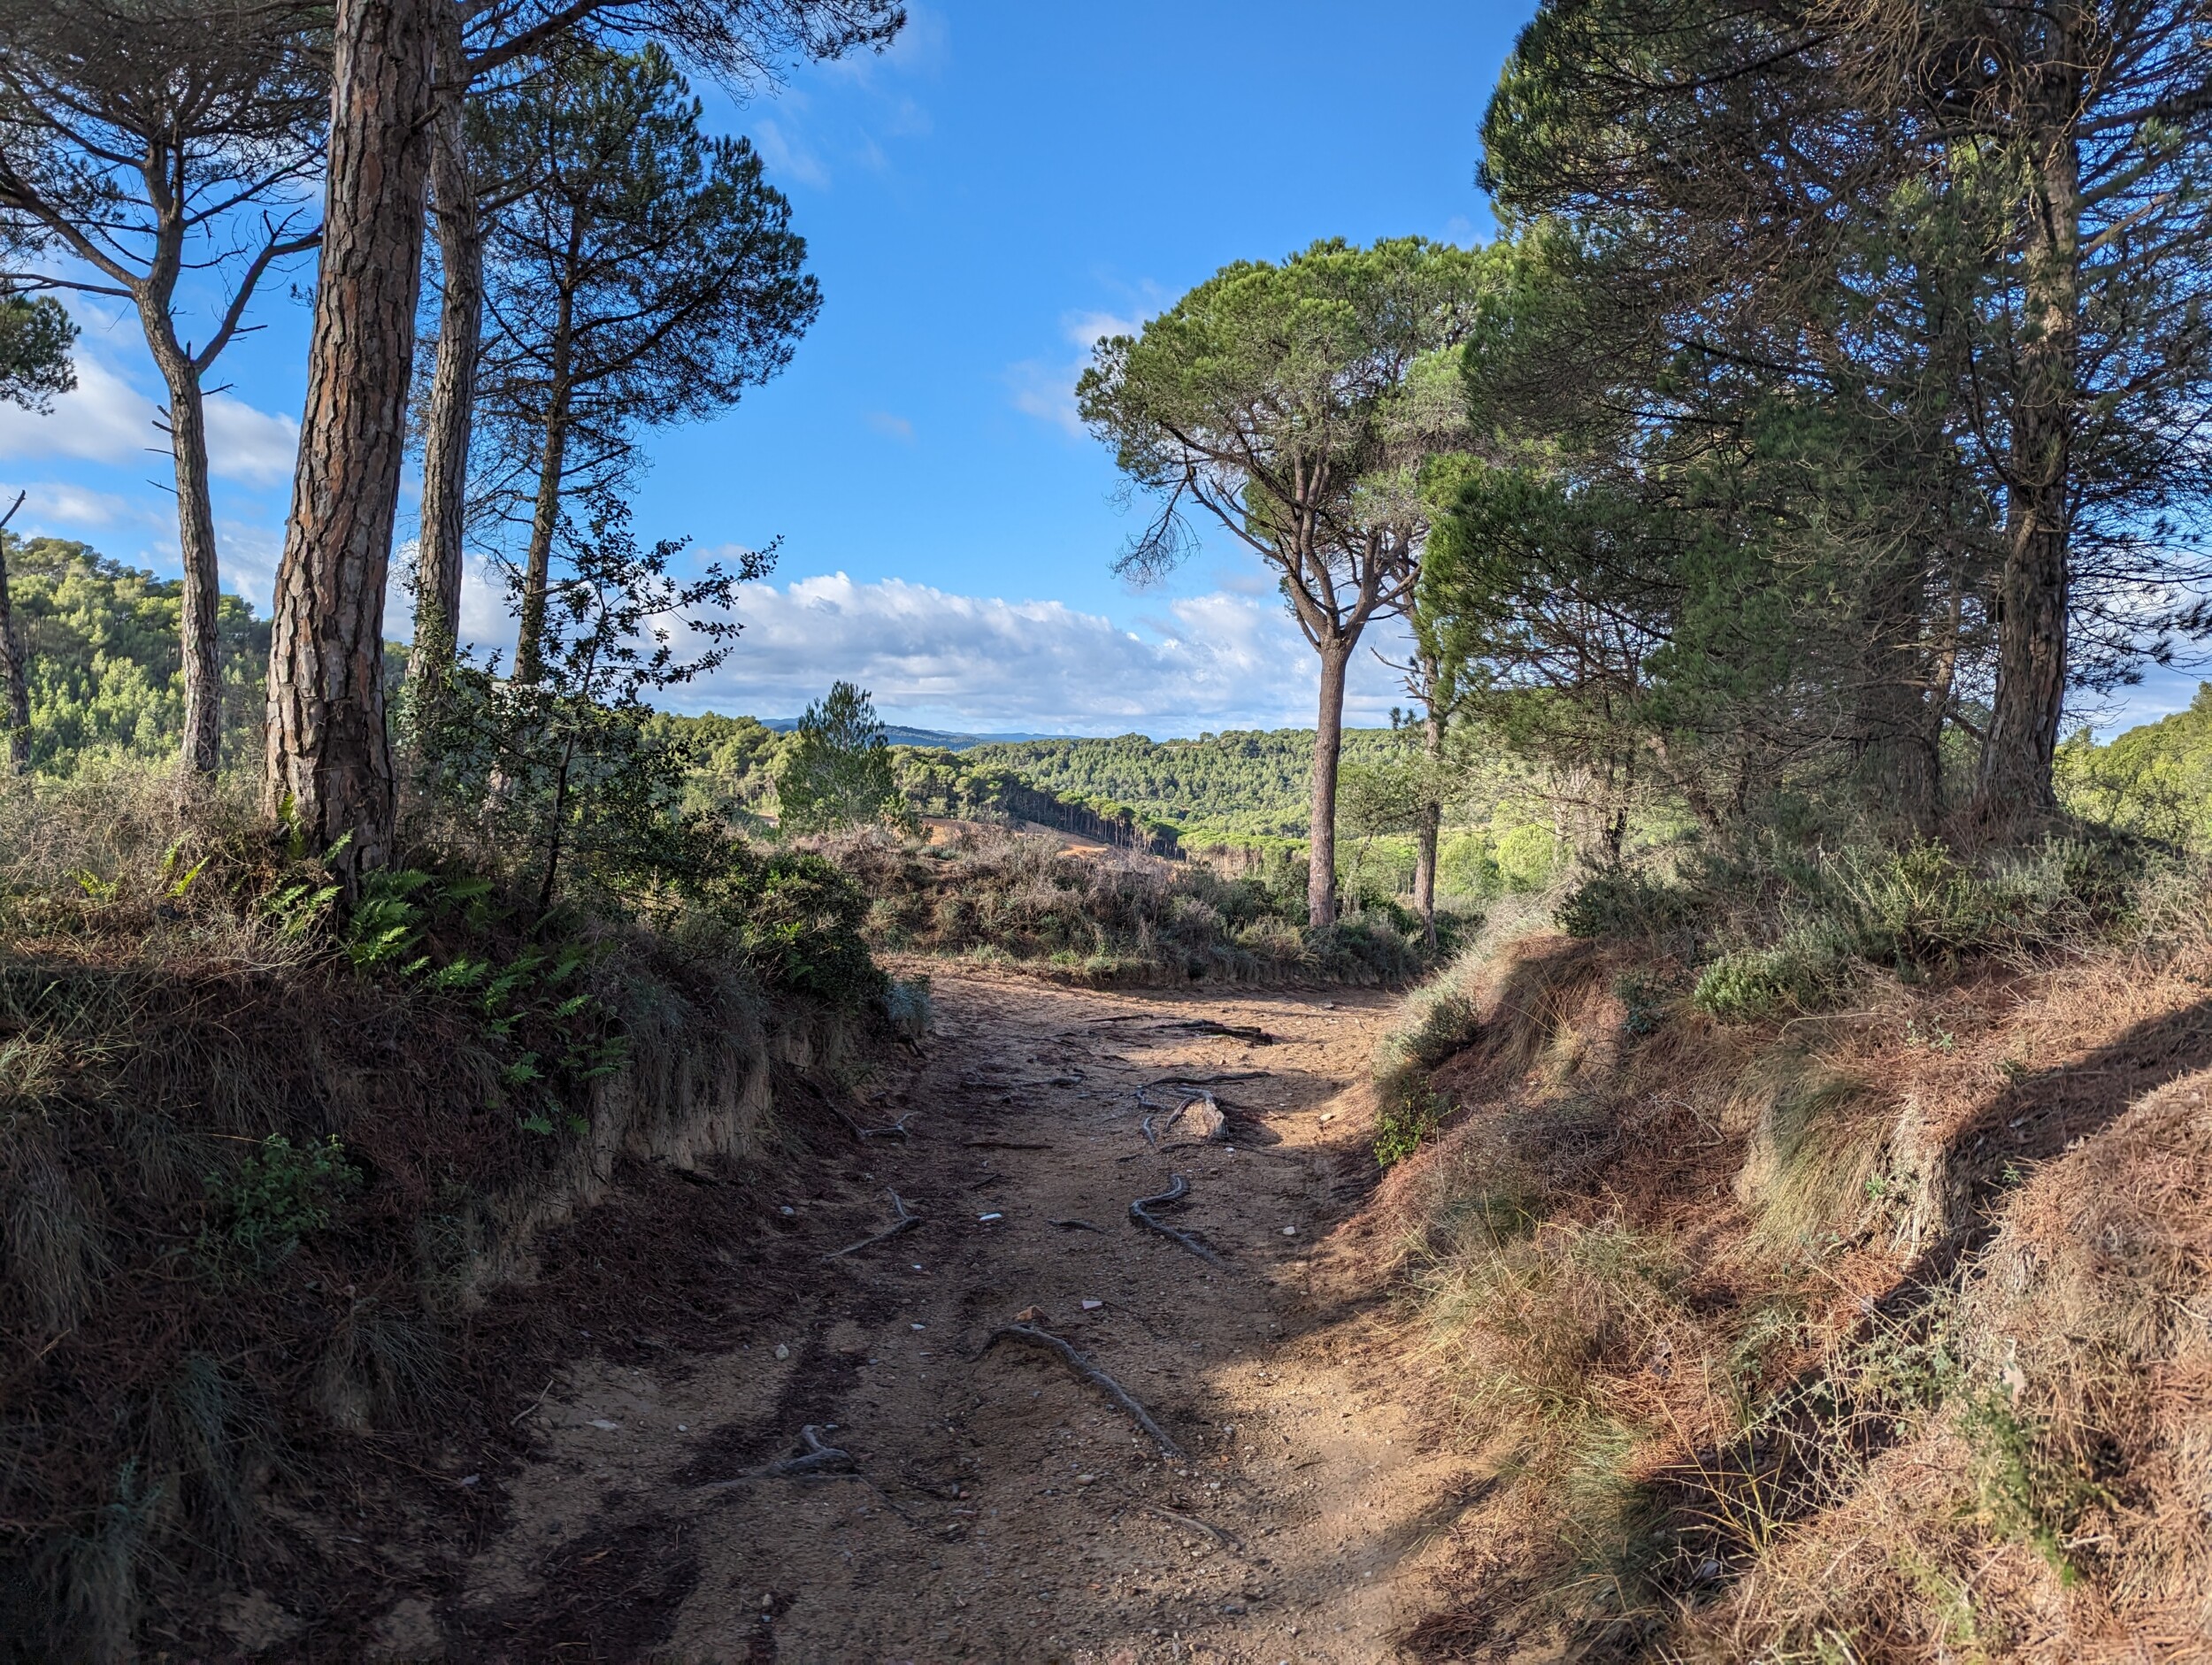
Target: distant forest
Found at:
x=1245, y=783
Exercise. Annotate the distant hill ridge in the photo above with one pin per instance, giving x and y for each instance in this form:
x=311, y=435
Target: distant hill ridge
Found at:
x=899, y=735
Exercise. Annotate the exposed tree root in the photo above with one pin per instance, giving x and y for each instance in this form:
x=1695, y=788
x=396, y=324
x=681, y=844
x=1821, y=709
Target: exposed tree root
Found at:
x=1251, y=1033
x=1139, y=1211
x=818, y=1458
x=1089, y=1372
x=1210, y=1080
x=907, y=1220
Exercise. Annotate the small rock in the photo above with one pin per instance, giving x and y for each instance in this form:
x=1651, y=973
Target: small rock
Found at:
x=1290, y=1230
x=915, y=1326
x=469, y=1479
x=601, y=1421
x=1031, y=1315
x=1090, y=1305
x=1085, y=1480
x=986, y=1219
x=782, y=1352
x=788, y=1212
x=1204, y=1120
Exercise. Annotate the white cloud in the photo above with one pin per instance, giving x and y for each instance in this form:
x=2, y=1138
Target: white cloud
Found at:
x=59, y=510
x=107, y=420
x=1085, y=328
x=1046, y=390
x=788, y=156
x=249, y=445
x=929, y=656
x=250, y=551
x=103, y=420
x=894, y=427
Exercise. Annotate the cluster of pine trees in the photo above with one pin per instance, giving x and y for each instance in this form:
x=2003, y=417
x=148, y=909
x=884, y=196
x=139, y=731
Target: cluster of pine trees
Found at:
x=1832, y=408
x=600, y=264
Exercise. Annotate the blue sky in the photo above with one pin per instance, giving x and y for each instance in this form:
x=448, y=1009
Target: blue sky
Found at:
x=1006, y=183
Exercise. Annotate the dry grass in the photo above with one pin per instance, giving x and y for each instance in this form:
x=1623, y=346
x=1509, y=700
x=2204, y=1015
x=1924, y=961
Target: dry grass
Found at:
x=158, y=1023
x=1881, y=1335
x=1110, y=917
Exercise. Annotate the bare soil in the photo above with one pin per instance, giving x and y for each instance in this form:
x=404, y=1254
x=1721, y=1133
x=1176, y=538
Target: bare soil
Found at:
x=996, y=1506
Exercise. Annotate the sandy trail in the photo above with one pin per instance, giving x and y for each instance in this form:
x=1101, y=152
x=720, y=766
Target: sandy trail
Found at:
x=998, y=1508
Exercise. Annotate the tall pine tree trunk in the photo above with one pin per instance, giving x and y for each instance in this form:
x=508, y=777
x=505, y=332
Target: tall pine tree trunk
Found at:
x=329, y=757
x=2032, y=590
x=537, y=567
x=196, y=537
x=1432, y=813
x=452, y=406
x=1328, y=746
x=1898, y=768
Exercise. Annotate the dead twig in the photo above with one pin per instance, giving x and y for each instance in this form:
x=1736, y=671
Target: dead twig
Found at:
x=897, y=1130
x=1195, y=1523
x=818, y=1458
x=908, y=1219
x=1089, y=1372
x=534, y=1403
x=1140, y=1211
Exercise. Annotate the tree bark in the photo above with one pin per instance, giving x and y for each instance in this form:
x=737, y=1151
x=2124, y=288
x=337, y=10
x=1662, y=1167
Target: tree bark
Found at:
x=1328, y=745
x=196, y=538
x=452, y=416
x=537, y=571
x=1432, y=811
x=329, y=757
x=2029, y=704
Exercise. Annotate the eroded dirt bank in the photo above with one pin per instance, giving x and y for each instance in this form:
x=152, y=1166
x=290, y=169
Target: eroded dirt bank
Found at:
x=996, y=1506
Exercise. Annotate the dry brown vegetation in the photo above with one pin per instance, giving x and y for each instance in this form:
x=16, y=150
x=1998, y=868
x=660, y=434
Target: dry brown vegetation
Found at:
x=1104, y=918
x=1873, y=1336
x=216, y=1321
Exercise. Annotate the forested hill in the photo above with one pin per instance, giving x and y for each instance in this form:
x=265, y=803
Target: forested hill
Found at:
x=1246, y=781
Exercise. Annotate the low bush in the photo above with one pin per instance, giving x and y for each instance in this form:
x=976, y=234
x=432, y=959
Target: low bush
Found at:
x=1799, y=973
x=1104, y=918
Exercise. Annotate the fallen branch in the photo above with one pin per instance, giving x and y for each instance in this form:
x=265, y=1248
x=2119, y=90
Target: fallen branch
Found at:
x=1195, y=1523
x=1176, y=1193
x=1210, y=1080
x=817, y=1459
x=1252, y=1032
x=1089, y=1372
x=897, y=1130
x=534, y=1403
x=907, y=1221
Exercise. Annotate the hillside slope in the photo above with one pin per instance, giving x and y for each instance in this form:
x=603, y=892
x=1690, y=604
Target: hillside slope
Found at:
x=1876, y=1335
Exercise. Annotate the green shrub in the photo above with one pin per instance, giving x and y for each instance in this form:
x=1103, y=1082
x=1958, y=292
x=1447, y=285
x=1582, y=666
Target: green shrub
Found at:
x=277, y=1196
x=1619, y=901
x=1528, y=858
x=1917, y=908
x=799, y=919
x=1802, y=972
x=1402, y=1128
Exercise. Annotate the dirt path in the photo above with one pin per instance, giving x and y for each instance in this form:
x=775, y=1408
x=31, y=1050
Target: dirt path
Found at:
x=999, y=1508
